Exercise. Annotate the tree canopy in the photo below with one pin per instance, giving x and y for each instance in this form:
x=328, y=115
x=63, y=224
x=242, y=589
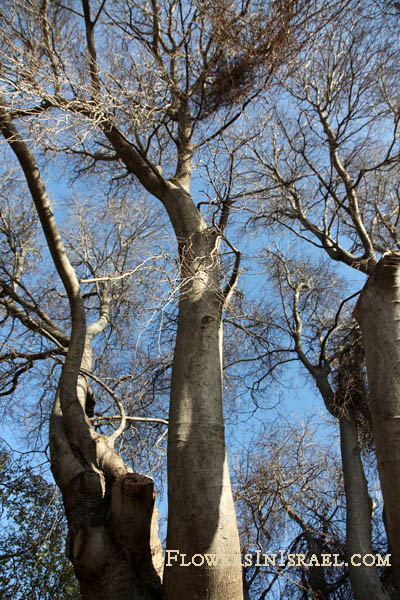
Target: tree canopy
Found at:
x=170, y=170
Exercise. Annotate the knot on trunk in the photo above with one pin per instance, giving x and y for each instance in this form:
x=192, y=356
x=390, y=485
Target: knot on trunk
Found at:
x=207, y=319
x=381, y=287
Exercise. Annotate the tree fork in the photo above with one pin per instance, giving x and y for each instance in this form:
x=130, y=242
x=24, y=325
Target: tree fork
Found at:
x=113, y=537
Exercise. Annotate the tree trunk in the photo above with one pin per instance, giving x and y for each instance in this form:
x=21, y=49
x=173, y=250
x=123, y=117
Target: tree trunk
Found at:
x=112, y=529
x=378, y=314
x=112, y=534
x=112, y=518
x=201, y=516
x=365, y=582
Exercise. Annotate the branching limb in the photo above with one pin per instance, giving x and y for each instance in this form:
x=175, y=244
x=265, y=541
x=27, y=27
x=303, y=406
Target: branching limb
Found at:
x=69, y=406
x=332, y=329
x=133, y=419
x=118, y=402
x=230, y=286
x=359, y=226
x=89, y=28
x=43, y=324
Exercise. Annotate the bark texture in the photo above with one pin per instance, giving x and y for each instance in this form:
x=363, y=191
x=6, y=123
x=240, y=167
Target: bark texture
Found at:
x=201, y=516
x=378, y=314
x=112, y=534
x=111, y=513
x=365, y=582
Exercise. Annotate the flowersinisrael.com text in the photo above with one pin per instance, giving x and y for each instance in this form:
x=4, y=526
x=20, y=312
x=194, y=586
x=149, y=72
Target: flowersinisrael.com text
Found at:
x=281, y=559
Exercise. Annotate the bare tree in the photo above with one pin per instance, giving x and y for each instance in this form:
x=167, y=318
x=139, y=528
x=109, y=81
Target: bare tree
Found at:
x=291, y=506
x=133, y=90
x=328, y=346
x=330, y=176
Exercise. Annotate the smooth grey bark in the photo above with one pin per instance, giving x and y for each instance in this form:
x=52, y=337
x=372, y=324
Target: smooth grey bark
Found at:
x=112, y=518
x=201, y=511
x=365, y=582
x=197, y=446
x=378, y=314
x=112, y=534
x=201, y=515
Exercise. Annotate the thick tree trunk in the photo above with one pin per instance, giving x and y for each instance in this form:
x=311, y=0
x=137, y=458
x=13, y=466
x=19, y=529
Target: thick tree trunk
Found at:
x=113, y=537
x=365, y=582
x=113, y=542
x=112, y=518
x=201, y=516
x=378, y=314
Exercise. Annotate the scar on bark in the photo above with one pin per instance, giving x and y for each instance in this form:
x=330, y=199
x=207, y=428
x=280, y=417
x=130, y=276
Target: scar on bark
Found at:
x=90, y=402
x=386, y=269
x=207, y=319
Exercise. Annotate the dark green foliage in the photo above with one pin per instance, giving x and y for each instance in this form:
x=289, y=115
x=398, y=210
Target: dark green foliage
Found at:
x=33, y=564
